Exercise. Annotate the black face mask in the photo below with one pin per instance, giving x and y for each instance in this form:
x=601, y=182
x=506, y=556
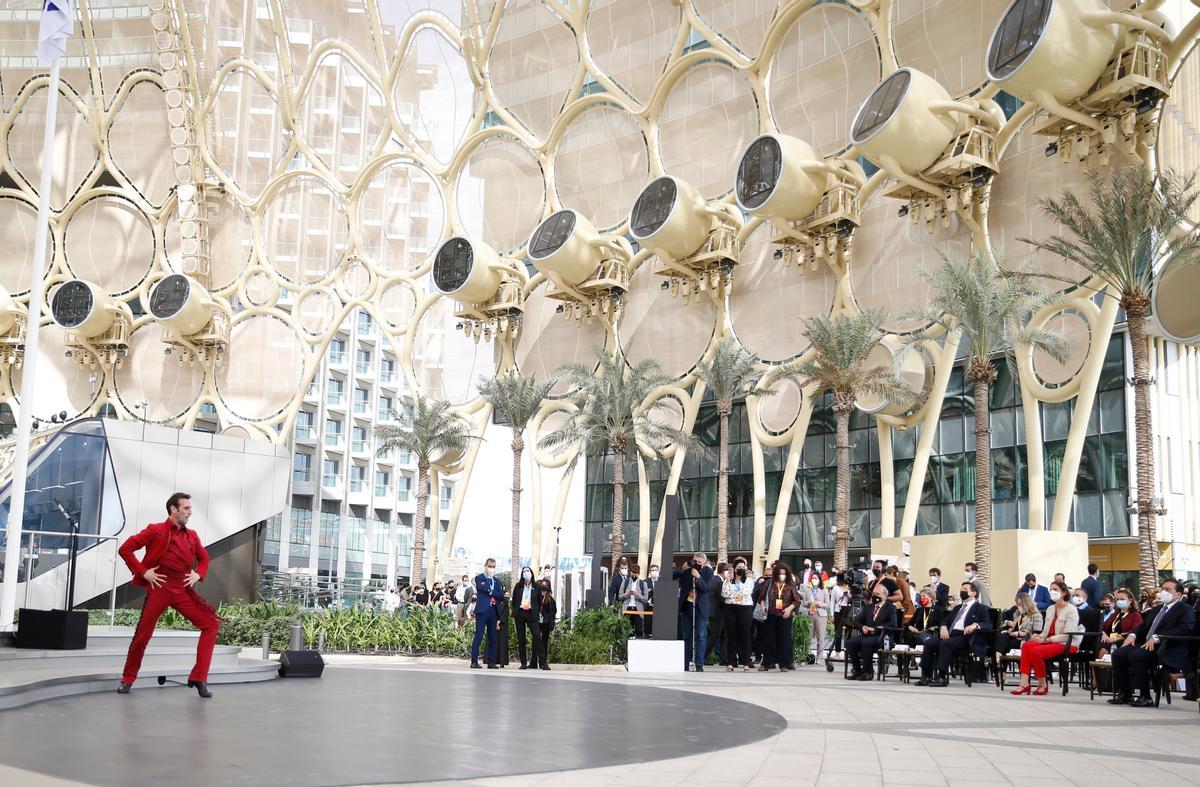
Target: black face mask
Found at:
x=877, y=572
x=964, y=595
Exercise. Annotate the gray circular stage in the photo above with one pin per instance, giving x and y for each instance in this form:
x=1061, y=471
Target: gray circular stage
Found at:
x=365, y=726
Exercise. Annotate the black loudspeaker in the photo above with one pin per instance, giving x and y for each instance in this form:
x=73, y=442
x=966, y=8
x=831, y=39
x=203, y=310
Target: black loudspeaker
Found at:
x=52, y=629
x=301, y=664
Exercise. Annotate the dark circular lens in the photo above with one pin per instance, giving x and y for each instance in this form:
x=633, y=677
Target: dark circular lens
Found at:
x=880, y=105
x=758, y=172
x=652, y=208
x=452, y=265
x=72, y=304
x=169, y=296
x=551, y=234
x=1017, y=35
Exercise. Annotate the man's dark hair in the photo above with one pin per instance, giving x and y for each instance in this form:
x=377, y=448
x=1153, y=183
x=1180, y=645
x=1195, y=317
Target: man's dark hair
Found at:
x=174, y=500
x=1031, y=576
x=1178, y=585
x=880, y=563
x=653, y=566
x=971, y=566
x=1093, y=568
x=968, y=584
x=937, y=571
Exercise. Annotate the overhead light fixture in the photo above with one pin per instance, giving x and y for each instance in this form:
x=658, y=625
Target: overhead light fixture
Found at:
x=1052, y=149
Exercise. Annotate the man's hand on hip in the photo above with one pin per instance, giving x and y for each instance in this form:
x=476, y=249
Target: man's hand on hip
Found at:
x=153, y=577
x=191, y=579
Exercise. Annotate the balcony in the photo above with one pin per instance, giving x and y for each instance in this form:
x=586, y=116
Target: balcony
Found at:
x=359, y=447
x=336, y=401
x=357, y=484
x=302, y=476
x=330, y=480
x=337, y=358
x=363, y=409
x=364, y=369
x=383, y=490
x=333, y=439
x=389, y=379
x=305, y=434
x=402, y=495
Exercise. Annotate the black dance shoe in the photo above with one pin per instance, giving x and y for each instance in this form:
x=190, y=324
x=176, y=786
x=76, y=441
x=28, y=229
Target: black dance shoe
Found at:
x=201, y=688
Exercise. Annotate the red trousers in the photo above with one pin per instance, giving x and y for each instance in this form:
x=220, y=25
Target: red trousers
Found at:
x=1034, y=655
x=189, y=604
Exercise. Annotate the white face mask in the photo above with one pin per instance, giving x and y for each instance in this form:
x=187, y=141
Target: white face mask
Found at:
x=1055, y=596
x=817, y=567
x=624, y=572
x=1166, y=596
x=1077, y=601
x=969, y=574
x=654, y=575
x=933, y=579
x=527, y=575
x=490, y=571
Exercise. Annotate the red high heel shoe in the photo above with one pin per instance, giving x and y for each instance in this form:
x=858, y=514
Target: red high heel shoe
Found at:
x=1041, y=691
x=1020, y=691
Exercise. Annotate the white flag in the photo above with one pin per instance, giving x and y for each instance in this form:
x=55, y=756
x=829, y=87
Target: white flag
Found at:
x=58, y=23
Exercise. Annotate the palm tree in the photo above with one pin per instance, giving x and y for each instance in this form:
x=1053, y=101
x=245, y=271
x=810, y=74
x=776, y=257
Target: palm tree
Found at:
x=1125, y=230
x=611, y=416
x=727, y=375
x=840, y=346
x=516, y=399
x=990, y=308
x=431, y=432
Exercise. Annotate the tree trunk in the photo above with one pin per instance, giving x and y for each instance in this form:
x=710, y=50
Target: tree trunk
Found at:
x=724, y=407
x=981, y=372
x=1143, y=429
x=417, y=573
x=518, y=445
x=843, y=403
x=618, y=516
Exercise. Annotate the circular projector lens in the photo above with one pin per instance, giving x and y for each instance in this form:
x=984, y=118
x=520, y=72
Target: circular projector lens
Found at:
x=72, y=304
x=758, y=172
x=1017, y=36
x=880, y=106
x=169, y=296
x=551, y=234
x=652, y=208
x=452, y=265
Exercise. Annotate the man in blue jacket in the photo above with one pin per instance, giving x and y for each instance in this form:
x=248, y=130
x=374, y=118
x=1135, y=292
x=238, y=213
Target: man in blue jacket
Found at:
x=488, y=594
x=1038, y=594
x=694, y=577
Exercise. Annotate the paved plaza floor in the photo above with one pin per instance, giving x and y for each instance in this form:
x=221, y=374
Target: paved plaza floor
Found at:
x=379, y=720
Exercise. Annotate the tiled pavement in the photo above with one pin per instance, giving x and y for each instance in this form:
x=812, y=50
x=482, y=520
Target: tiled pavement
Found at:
x=850, y=733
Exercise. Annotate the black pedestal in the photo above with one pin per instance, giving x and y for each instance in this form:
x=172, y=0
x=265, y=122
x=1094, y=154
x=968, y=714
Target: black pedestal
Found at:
x=52, y=629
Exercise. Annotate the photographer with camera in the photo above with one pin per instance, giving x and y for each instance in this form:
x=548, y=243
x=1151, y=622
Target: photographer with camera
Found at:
x=693, y=577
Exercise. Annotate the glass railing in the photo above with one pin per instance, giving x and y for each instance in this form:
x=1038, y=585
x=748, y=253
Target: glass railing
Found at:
x=357, y=484
x=304, y=433
x=382, y=490
x=333, y=438
x=330, y=480
x=402, y=495
x=332, y=398
x=366, y=329
x=359, y=446
x=362, y=408
x=337, y=357
x=362, y=367
x=302, y=476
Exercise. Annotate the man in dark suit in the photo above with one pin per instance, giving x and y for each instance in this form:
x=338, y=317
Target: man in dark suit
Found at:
x=716, y=614
x=861, y=650
x=940, y=590
x=1131, y=666
x=620, y=583
x=1038, y=594
x=1092, y=586
x=489, y=591
x=694, y=577
x=954, y=637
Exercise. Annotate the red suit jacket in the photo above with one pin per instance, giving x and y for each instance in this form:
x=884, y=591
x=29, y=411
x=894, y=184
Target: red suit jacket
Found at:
x=156, y=538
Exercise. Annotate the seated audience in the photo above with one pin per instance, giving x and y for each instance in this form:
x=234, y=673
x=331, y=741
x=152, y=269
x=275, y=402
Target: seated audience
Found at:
x=1026, y=621
x=870, y=623
x=1062, y=620
x=1144, y=649
x=1123, y=622
x=954, y=637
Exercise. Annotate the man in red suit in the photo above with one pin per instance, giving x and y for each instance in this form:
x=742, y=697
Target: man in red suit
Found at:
x=175, y=561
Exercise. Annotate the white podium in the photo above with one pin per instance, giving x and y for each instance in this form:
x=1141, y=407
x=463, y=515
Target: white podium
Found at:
x=648, y=655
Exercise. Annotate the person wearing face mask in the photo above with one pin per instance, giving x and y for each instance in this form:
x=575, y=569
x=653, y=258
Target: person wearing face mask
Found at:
x=954, y=636
x=1144, y=649
x=871, y=623
x=1107, y=607
x=1038, y=594
x=693, y=577
x=716, y=615
x=1124, y=621
x=820, y=607
x=526, y=601
x=489, y=592
x=939, y=590
x=547, y=619
x=923, y=630
x=619, y=586
x=971, y=574
x=1090, y=618
x=1061, y=620
x=648, y=592
x=1026, y=621
x=905, y=605
x=782, y=600
x=879, y=572
x=738, y=594
x=634, y=603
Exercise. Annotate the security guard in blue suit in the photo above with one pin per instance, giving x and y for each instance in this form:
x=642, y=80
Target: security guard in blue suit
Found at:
x=488, y=594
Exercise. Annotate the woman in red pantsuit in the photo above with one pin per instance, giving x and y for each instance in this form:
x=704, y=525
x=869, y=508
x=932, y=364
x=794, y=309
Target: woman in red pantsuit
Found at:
x=1062, y=619
x=175, y=561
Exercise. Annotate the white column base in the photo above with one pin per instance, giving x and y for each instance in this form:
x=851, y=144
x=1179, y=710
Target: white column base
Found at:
x=648, y=655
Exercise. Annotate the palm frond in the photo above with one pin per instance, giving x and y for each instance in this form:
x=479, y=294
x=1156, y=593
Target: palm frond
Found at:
x=730, y=372
x=515, y=397
x=433, y=429
x=841, y=346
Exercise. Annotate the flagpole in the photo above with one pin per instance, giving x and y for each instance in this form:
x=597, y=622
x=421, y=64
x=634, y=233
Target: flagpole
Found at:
x=16, y=507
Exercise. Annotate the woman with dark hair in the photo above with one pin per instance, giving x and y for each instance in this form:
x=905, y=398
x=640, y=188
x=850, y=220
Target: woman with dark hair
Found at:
x=1123, y=622
x=782, y=599
x=547, y=617
x=1062, y=620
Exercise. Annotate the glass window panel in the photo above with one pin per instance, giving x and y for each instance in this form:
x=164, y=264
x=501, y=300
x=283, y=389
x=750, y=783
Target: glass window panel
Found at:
x=1090, y=466
x=952, y=434
x=954, y=518
x=1116, y=519
x=1112, y=373
x=1112, y=411
x=1004, y=515
x=1006, y=472
x=929, y=520
x=904, y=443
x=813, y=454
x=1056, y=419
x=860, y=447
x=1004, y=430
x=1089, y=517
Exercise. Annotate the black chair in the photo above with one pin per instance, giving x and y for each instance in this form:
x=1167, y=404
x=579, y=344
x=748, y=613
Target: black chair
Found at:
x=1162, y=673
x=1079, y=662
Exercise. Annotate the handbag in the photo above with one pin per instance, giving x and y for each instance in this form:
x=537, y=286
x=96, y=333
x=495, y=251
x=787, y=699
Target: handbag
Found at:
x=760, y=611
